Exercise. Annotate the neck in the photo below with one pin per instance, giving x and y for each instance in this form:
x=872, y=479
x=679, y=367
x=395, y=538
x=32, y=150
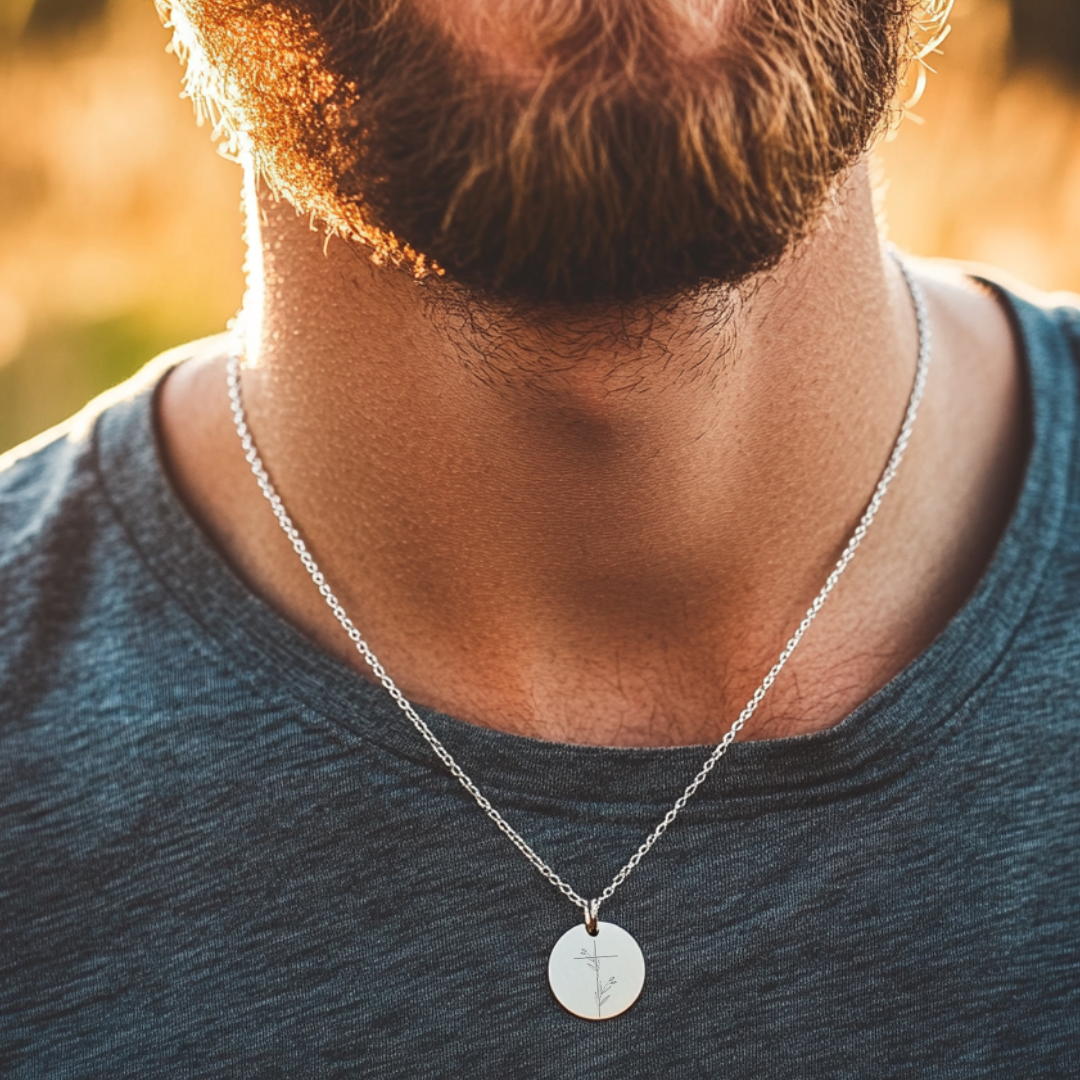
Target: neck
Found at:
x=585, y=527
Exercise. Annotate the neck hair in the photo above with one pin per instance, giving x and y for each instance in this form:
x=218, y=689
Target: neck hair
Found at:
x=627, y=347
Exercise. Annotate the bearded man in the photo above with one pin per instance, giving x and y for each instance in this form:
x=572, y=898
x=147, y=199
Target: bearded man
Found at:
x=577, y=423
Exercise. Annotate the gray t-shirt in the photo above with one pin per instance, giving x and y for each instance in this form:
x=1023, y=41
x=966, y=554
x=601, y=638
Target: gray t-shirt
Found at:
x=224, y=854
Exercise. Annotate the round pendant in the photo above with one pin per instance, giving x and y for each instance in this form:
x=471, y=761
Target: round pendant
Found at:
x=596, y=976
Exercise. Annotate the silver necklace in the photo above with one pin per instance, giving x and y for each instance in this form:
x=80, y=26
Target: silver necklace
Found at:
x=596, y=970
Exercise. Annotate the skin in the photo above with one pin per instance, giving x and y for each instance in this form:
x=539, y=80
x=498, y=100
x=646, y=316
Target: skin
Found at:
x=498, y=31
x=553, y=531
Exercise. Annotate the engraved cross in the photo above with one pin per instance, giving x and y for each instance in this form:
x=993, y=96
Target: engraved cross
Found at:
x=593, y=960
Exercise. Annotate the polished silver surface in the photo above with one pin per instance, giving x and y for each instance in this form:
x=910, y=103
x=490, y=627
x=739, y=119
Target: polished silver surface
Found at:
x=591, y=907
x=596, y=976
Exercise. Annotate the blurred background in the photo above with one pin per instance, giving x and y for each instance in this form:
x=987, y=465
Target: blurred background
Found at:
x=120, y=229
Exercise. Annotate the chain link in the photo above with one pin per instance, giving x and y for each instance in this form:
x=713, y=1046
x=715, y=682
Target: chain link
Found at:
x=592, y=907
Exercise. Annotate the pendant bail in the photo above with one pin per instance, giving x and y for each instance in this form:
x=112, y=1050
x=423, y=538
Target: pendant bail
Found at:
x=591, y=910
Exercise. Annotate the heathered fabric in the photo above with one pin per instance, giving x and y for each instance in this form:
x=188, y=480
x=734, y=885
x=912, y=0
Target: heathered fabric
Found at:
x=223, y=854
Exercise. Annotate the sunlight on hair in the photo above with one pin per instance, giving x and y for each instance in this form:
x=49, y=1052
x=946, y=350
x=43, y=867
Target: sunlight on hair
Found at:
x=289, y=61
x=631, y=165
x=930, y=27
x=127, y=238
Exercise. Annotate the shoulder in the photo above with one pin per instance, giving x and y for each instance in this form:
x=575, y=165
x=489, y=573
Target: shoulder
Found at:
x=1028, y=306
x=58, y=533
x=37, y=476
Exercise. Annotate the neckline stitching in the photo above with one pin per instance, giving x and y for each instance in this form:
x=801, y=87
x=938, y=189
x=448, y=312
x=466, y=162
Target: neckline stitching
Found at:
x=363, y=712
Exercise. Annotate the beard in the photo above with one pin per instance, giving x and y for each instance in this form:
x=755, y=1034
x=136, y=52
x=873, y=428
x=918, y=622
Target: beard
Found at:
x=625, y=148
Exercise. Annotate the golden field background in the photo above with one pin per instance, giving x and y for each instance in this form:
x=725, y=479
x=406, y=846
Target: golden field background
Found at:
x=120, y=229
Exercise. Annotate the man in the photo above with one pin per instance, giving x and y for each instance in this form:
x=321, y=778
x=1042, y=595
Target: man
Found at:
x=570, y=419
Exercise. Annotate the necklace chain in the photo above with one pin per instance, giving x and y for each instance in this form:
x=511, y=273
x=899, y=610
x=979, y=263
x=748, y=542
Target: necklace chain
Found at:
x=592, y=907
